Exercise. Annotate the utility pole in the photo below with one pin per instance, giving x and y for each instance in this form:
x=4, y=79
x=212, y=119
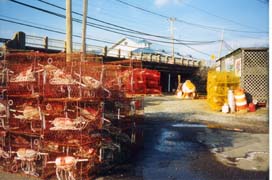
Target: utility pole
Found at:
x=84, y=22
x=221, y=44
x=171, y=20
x=69, y=43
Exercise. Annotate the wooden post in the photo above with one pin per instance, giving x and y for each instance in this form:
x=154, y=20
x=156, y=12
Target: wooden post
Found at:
x=179, y=88
x=84, y=21
x=69, y=43
x=17, y=42
x=169, y=82
x=45, y=41
x=21, y=39
x=119, y=53
x=172, y=37
x=105, y=51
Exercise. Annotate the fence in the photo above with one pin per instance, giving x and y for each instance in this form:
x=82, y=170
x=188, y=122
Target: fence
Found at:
x=46, y=43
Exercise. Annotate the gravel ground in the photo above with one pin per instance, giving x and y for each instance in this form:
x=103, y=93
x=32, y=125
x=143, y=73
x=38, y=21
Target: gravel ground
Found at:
x=247, y=148
x=198, y=110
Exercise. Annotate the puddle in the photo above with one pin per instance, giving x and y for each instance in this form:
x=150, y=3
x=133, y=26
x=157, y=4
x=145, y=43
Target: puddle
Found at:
x=189, y=125
x=175, y=150
x=172, y=141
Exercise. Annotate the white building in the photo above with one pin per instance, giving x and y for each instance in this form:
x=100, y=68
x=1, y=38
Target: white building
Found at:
x=125, y=46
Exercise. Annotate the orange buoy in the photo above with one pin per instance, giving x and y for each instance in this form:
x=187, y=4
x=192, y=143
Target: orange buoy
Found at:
x=251, y=107
x=240, y=99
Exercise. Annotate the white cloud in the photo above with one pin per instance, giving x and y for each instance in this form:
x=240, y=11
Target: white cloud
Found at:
x=160, y=3
x=98, y=9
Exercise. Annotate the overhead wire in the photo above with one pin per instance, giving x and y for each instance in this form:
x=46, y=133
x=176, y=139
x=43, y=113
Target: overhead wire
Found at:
x=79, y=36
x=99, y=7
x=33, y=23
x=227, y=46
x=101, y=21
x=141, y=37
x=121, y=27
x=118, y=18
x=111, y=29
x=79, y=21
x=201, y=52
x=264, y=2
x=51, y=29
x=217, y=16
x=189, y=23
x=143, y=9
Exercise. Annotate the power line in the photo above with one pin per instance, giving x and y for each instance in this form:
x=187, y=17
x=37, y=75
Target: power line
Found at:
x=130, y=21
x=228, y=46
x=111, y=29
x=32, y=26
x=122, y=28
x=189, y=23
x=101, y=21
x=31, y=22
x=79, y=21
x=263, y=1
x=142, y=9
x=74, y=19
x=78, y=36
x=220, y=17
x=201, y=52
x=51, y=29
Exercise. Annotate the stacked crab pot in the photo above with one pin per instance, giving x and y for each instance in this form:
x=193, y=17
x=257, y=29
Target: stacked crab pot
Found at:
x=68, y=119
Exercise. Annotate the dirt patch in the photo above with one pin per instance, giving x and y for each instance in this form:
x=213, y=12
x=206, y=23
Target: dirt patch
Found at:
x=173, y=108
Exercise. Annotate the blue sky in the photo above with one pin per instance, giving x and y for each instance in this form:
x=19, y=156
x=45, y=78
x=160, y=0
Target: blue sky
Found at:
x=251, y=14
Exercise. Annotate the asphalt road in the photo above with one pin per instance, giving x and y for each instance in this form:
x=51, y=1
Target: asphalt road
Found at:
x=172, y=151
x=176, y=150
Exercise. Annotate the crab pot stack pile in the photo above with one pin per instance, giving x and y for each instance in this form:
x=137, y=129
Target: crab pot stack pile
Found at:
x=152, y=81
x=137, y=80
x=69, y=119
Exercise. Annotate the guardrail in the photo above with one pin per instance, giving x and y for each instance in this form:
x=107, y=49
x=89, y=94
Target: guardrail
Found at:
x=56, y=44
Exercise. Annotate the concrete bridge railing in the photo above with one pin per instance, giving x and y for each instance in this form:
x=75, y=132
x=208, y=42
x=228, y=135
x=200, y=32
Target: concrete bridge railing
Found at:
x=22, y=41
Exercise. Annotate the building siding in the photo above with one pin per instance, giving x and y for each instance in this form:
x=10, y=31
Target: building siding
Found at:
x=254, y=72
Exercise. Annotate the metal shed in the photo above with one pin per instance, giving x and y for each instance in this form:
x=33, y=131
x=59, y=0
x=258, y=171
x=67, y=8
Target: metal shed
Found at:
x=251, y=65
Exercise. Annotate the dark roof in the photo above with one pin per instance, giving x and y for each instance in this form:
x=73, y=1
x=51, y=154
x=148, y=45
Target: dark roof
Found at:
x=119, y=42
x=244, y=49
x=125, y=38
x=144, y=41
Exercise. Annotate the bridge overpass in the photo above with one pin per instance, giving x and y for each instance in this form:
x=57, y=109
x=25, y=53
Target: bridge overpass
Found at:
x=187, y=68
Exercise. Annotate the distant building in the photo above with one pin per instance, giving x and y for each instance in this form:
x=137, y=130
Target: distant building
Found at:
x=125, y=46
x=142, y=50
x=251, y=65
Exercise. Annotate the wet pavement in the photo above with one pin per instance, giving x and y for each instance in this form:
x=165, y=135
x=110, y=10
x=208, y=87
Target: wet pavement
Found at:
x=176, y=150
x=172, y=150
